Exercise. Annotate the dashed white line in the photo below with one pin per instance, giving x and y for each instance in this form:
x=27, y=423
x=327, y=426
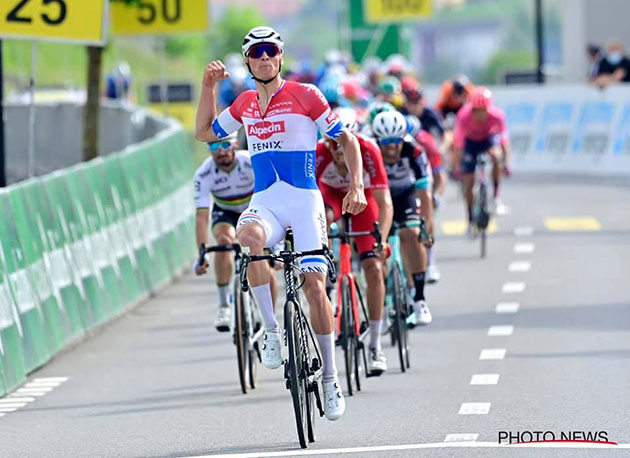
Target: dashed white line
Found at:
x=474, y=408
x=492, y=353
x=507, y=307
x=513, y=287
x=524, y=248
x=8, y=409
x=461, y=437
x=523, y=231
x=42, y=385
x=51, y=379
x=503, y=330
x=520, y=266
x=12, y=405
x=484, y=379
x=14, y=398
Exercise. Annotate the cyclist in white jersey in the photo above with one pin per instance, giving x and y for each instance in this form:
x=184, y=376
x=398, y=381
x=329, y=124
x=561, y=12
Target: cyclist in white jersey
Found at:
x=281, y=120
x=227, y=175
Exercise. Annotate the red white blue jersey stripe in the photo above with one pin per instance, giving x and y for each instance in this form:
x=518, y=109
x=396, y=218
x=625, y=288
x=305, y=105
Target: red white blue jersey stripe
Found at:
x=282, y=140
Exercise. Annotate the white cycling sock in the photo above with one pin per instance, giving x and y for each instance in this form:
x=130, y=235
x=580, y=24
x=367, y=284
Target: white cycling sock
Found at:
x=327, y=346
x=224, y=294
x=375, y=334
x=431, y=256
x=262, y=294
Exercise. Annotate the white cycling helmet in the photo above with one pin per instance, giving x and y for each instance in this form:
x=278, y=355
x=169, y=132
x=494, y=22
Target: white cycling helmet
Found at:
x=389, y=124
x=262, y=34
x=348, y=118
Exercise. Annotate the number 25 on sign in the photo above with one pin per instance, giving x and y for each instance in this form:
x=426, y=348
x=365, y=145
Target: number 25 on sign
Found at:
x=157, y=17
x=397, y=10
x=81, y=21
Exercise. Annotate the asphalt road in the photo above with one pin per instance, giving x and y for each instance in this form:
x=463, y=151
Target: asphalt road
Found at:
x=161, y=382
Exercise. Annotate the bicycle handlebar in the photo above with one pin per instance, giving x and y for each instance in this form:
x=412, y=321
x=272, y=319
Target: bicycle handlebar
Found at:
x=376, y=233
x=217, y=248
x=285, y=256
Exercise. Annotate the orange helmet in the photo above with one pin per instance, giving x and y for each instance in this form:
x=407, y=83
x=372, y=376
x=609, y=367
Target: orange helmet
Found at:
x=481, y=97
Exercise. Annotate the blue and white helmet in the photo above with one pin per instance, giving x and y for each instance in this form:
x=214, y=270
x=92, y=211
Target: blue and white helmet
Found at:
x=389, y=124
x=262, y=34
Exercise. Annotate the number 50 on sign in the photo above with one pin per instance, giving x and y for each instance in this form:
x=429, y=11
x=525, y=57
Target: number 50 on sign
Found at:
x=82, y=21
x=157, y=17
x=397, y=10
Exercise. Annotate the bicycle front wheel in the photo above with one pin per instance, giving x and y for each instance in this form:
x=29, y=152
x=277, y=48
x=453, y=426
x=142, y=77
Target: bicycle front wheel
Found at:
x=347, y=328
x=240, y=337
x=296, y=372
x=400, y=320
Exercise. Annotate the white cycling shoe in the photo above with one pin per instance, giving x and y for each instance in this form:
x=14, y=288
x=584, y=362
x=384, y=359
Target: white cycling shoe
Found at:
x=334, y=402
x=272, y=349
x=377, y=363
x=223, y=319
x=422, y=312
x=433, y=274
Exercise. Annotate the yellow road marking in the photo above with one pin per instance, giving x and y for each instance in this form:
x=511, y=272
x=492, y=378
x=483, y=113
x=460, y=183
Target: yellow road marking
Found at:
x=458, y=227
x=586, y=223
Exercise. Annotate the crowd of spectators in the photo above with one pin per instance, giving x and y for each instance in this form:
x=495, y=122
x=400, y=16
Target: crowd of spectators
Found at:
x=608, y=66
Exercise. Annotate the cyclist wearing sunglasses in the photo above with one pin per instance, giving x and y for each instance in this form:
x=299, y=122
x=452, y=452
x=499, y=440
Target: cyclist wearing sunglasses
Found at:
x=228, y=176
x=410, y=180
x=333, y=182
x=281, y=119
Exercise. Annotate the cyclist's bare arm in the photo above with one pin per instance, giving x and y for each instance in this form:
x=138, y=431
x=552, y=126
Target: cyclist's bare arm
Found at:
x=383, y=199
x=207, y=108
x=354, y=201
x=201, y=225
x=426, y=208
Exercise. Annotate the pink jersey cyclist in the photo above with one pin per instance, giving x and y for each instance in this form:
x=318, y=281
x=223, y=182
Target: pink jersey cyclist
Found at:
x=475, y=137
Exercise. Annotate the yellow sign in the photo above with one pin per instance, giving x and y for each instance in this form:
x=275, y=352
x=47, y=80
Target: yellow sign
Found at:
x=182, y=111
x=397, y=10
x=81, y=21
x=160, y=17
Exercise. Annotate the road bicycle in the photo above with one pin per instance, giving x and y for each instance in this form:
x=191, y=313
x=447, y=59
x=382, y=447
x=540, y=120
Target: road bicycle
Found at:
x=481, y=201
x=302, y=373
x=398, y=303
x=351, y=329
x=247, y=330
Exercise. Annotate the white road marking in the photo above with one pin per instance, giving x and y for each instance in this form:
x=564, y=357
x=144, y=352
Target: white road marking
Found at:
x=15, y=398
x=387, y=448
x=524, y=248
x=461, y=437
x=507, y=307
x=2, y=415
x=504, y=330
x=33, y=391
x=523, y=231
x=42, y=385
x=8, y=409
x=484, y=379
x=474, y=408
x=520, y=266
x=513, y=287
x=51, y=379
x=12, y=405
x=492, y=353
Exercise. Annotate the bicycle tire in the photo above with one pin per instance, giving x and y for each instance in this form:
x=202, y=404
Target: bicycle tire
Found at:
x=240, y=338
x=347, y=342
x=253, y=354
x=359, y=347
x=400, y=324
x=296, y=384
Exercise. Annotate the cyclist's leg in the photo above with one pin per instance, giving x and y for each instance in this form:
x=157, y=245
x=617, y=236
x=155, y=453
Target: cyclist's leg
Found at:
x=223, y=229
x=257, y=228
x=469, y=161
x=496, y=155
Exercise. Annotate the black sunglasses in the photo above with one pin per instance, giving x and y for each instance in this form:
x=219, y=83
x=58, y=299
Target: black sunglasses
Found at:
x=257, y=51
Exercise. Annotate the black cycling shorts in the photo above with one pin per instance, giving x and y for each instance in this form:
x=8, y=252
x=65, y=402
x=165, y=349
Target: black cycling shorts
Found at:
x=220, y=215
x=406, y=206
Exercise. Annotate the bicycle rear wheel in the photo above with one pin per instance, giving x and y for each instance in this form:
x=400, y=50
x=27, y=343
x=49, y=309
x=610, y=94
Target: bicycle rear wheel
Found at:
x=240, y=337
x=253, y=355
x=296, y=372
x=400, y=322
x=360, y=347
x=347, y=328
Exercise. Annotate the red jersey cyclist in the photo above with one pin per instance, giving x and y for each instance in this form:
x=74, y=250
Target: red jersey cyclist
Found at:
x=333, y=182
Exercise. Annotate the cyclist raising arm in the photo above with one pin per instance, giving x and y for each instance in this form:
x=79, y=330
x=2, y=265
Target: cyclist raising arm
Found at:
x=281, y=120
